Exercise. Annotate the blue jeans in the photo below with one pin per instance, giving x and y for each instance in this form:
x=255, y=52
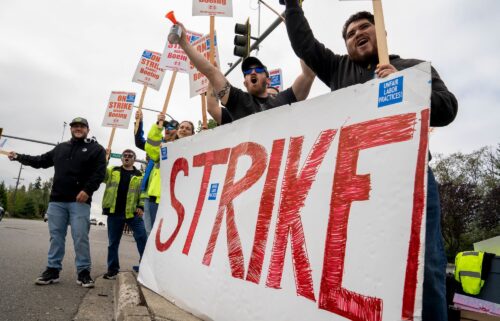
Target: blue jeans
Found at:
x=434, y=296
x=153, y=209
x=77, y=215
x=146, y=217
x=116, y=223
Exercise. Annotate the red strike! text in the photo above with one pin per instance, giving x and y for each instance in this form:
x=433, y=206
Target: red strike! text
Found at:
x=347, y=187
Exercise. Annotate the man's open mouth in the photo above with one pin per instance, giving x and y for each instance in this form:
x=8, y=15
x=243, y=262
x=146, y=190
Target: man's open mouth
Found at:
x=361, y=42
x=253, y=80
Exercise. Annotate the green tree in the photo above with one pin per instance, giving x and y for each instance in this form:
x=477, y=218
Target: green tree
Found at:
x=211, y=124
x=3, y=195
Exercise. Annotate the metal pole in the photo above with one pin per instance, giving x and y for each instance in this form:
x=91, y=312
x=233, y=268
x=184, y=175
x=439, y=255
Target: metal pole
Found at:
x=64, y=127
x=30, y=140
x=256, y=43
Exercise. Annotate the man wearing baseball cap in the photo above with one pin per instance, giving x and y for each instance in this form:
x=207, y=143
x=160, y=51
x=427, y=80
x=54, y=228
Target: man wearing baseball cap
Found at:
x=79, y=168
x=256, y=80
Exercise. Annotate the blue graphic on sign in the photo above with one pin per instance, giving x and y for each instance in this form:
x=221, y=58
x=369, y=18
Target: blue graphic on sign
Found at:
x=212, y=195
x=275, y=80
x=194, y=38
x=130, y=98
x=163, y=153
x=390, y=92
x=147, y=54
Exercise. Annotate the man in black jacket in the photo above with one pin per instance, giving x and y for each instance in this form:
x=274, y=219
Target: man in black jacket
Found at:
x=79, y=169
x=359, y=66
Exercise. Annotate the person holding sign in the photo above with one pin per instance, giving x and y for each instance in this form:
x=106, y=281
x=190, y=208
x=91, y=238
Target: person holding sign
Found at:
x=123, y=206
x=359, y=66
x=256, y=80
x=79, y=169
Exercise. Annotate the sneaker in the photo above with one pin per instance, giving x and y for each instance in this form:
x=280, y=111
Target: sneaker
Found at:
x=84, y=279
x=50, y=275
x=110, y=275
x=136, y=268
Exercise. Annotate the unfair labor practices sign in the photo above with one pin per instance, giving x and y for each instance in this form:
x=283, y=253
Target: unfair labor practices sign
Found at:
x=222, y=8
x=174, y=58
x=148, y=70
x=119, y=109
x=198, y=82
x=323, y=221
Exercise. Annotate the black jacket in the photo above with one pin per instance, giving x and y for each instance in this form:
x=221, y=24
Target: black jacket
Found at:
x=79, y=165
x=339, y=71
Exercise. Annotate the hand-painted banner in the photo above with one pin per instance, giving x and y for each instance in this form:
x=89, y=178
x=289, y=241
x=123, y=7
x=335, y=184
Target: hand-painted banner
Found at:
x=198, y=83
x=148, y=70
x=174, y=58
x=276, y=77
x=119, y=109
x=314, y=211
x=222, y=8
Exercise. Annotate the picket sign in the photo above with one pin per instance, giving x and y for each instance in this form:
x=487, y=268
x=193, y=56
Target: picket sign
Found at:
x=148, y=71
x=276, y=77
x=198, y=82
x=139, y=109
x=221, y=8
x=118, y=112
x=174, y=58
x=268, y=218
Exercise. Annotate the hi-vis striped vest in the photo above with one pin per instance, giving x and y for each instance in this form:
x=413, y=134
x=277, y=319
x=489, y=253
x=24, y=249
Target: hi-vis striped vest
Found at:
x=468, y=267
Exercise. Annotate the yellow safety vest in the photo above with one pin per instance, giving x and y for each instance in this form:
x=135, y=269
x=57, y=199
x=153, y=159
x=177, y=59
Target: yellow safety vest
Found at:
x=152, y=148
x=133, y=200
x=468, y=266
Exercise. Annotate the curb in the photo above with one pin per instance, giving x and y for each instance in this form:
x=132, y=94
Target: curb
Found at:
x=128, y=303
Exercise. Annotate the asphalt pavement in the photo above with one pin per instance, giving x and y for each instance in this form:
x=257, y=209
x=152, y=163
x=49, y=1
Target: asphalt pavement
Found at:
x=23, y=256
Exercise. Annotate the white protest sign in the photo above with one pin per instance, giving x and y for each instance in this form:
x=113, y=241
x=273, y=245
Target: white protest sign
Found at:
x=276, y=77
x=2, y=142
x=174, y=58
x=221, y=8
x=198, y=83
x=148, y=71
x=265, y=219
x=119, y=109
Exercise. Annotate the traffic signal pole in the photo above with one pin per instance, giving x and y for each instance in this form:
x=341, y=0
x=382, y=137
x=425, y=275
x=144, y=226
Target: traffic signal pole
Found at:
x=254, y=46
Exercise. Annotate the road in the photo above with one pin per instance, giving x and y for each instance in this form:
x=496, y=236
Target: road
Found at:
x=23, y=256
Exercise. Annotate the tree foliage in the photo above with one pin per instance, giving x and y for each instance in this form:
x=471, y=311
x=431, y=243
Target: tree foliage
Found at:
x=211, y=124
x=30, y=202
x=469, y=187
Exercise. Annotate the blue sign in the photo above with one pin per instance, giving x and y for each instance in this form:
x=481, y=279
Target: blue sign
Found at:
x=390, y=92
x=130, y=98
x=212, y=195
x=147, y=54
x=163, y=153
x=276, y=80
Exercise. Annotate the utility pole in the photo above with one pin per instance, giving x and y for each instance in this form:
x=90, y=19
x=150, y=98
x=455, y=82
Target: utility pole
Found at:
x=64, y=127
x=15, y=190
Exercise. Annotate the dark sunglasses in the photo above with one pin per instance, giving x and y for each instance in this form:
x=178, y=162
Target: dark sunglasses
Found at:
x=257, y=70
x=128, y=155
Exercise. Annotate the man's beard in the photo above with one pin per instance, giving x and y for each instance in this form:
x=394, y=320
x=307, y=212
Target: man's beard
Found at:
x=78, y=138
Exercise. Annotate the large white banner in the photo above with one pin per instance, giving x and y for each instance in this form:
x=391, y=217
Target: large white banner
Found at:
x=148, y=71
x=198, y=82
x=222, y=8
x=314, y=211
x=174, y=58
x=119, y=109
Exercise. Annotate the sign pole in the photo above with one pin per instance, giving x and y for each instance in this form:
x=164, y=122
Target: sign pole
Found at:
x=383, y=54
x=4, y=152
x=139, y=110
x=204, y=111
x=212, y=59
x=167, y=99
x=108, y=151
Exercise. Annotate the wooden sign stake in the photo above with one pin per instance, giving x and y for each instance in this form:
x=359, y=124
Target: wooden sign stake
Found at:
x=108, y=151
x=140, y=107
x=167, y=99
x=383, y=54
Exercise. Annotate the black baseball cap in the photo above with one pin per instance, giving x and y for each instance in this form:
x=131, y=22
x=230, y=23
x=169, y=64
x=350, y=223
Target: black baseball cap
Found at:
x=252, y=61
x=79, y=120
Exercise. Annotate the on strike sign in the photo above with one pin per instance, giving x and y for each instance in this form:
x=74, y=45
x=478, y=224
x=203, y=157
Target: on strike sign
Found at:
x=148, y=71
x=262, y=219
x=222, y=8
x=198, y=82
x=119, y=109
x=174, y=58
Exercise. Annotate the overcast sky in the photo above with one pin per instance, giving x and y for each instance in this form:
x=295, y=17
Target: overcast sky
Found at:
x=61, y=59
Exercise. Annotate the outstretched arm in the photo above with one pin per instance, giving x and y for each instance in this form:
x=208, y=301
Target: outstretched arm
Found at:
x=214, y=75
x=302, y=85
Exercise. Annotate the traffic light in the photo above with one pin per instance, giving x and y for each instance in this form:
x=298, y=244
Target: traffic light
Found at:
x=242, y=39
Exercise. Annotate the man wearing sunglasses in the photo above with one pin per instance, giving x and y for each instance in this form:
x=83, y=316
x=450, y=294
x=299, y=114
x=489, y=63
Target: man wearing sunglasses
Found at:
x=256, y=80
x=123, y=205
